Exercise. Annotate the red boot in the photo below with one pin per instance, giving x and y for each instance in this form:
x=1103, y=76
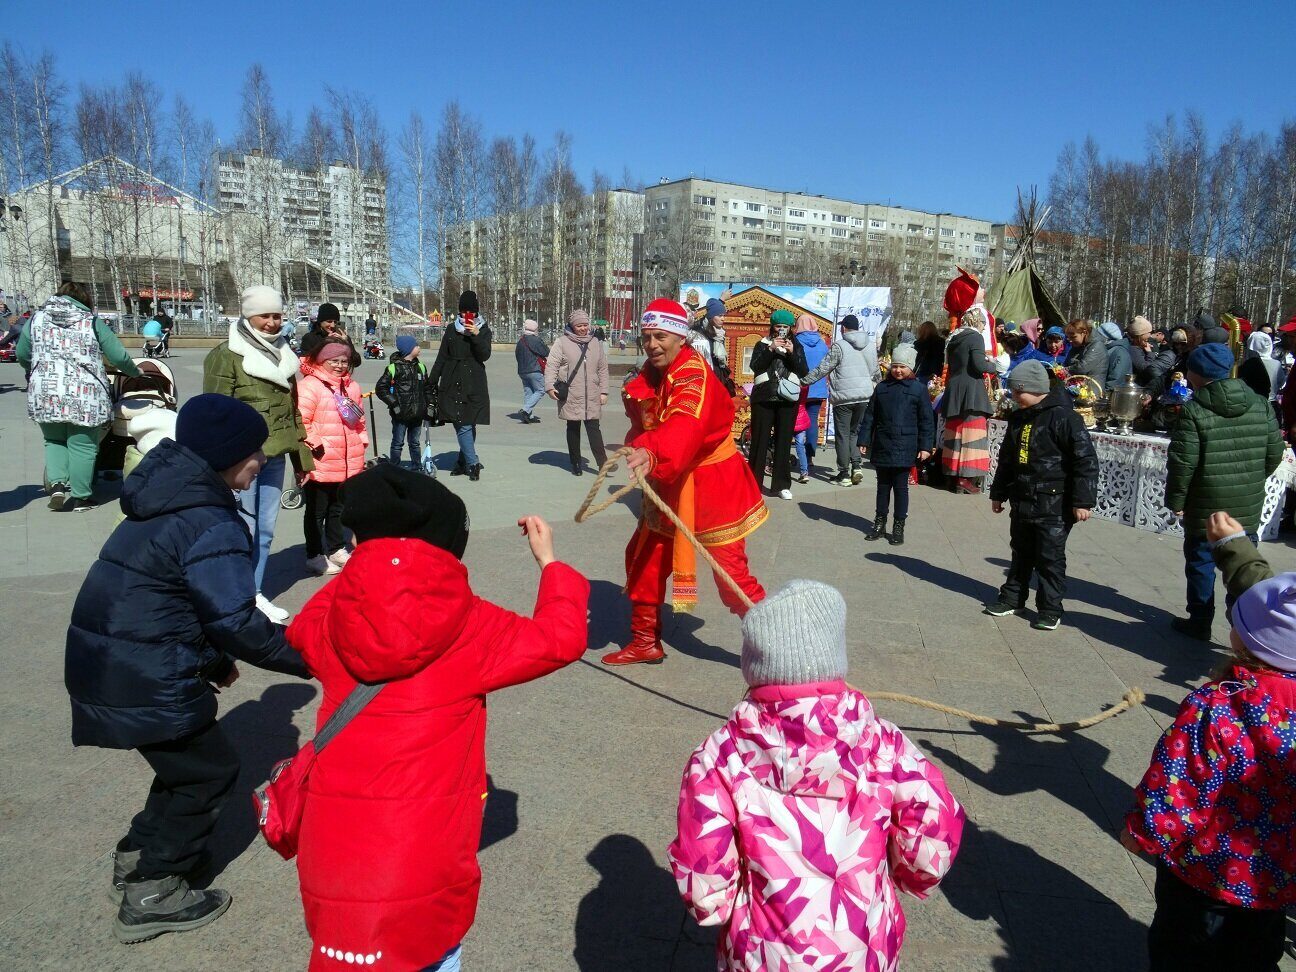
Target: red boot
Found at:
x=645, y=638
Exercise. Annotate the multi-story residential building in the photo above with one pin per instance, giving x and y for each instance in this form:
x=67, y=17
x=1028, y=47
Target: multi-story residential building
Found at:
x=326, y=226
x=699, y=229
x=548, y=259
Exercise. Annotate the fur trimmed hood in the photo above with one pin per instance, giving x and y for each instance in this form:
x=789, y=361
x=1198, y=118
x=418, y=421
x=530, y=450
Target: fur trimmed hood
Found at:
x=267, y=358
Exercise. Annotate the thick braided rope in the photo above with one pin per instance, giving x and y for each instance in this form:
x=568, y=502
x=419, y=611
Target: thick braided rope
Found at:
x=588, y=509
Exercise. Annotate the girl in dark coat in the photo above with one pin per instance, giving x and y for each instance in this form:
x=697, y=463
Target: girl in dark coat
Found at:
x=774, y=358
x=898, y=432
x=965, y=444
x=459, y=376
x=931, y=352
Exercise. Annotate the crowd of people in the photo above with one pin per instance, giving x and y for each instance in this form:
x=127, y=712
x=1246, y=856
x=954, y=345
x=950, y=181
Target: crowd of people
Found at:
x=386, y=854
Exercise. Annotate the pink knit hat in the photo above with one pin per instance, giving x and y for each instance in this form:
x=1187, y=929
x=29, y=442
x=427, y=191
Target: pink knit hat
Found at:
x=332, y=349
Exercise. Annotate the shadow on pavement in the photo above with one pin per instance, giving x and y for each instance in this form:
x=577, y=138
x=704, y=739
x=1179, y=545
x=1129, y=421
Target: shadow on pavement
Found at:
x=12, y=500
x=949, y=580
x=262, y=732
x=609, y=614
x=634, y=918
x=681, y=634
x=835, y=517
x=1047, y=917
x=551, y=457
x=500, y=820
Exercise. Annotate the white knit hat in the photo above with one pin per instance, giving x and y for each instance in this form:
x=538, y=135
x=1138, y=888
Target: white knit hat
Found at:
x=261, y=300
x=905, y=354
x=796, y=635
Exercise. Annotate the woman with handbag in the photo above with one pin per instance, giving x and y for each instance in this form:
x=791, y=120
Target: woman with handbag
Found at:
x=576, y=377
x=459, y=377
x=779, y=364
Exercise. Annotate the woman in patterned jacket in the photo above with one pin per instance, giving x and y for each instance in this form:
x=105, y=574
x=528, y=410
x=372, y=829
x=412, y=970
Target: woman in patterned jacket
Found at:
x=802, y=815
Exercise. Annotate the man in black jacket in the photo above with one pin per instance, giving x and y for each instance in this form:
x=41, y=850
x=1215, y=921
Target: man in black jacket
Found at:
x=1048, y=470
x=157, y=626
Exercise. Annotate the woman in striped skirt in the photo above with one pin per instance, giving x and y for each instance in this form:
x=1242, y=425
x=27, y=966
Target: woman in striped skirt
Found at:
x=965, y=407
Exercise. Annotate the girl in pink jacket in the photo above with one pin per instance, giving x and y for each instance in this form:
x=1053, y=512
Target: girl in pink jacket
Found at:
x=801, y=816
x=329, y=401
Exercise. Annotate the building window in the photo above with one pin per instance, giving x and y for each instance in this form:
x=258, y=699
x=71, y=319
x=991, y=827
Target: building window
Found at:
x=838, y=219
x=856, y=221
x=838, y=232
x=946, y=232
x=748, y=221
x=876, y=237
x=775, y=210
x=773, y=224
x=877, y=224
x=753, y=207
x=947, y=246
x=982, y=237
x=929, y=231
x=796, y=214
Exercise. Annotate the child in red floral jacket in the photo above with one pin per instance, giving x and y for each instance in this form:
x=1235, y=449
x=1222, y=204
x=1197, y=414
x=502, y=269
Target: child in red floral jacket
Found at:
x=1217, y=807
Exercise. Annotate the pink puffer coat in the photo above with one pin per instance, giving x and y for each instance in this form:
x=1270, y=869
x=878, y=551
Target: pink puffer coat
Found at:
x=799, y=819
x=344, y=445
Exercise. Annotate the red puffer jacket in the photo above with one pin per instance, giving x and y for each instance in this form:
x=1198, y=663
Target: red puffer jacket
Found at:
x=388, y=851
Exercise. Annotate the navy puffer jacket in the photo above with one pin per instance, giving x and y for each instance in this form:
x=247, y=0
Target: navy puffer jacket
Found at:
x=164, y=610
x=898, y=424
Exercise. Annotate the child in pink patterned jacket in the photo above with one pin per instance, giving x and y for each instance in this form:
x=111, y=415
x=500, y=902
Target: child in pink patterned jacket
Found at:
x=801, y=816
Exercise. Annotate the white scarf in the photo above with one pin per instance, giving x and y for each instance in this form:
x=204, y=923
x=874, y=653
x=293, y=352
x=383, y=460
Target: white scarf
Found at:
x=270, y=360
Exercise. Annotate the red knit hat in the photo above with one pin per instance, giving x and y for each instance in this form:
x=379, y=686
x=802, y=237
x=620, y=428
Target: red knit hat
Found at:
x=666, y=315
x=961, y=293
x=1288, y=327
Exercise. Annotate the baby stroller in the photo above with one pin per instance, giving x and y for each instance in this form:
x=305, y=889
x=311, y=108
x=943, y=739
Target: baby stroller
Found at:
x=156, y=340
x=373, y=348
x=144, y=413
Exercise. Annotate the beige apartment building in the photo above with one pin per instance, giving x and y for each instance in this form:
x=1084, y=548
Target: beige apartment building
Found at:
x=699, y=229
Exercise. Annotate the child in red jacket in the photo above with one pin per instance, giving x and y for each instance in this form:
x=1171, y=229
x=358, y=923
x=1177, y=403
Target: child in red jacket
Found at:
x=388, y=853
x=1217, y=807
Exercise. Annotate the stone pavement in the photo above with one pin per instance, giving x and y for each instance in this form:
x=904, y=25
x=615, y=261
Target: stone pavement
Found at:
x=585, y=765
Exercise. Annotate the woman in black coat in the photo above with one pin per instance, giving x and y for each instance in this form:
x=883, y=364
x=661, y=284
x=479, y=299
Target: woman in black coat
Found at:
x=965, y=406
x=459, y=376
x=777, y=356
x=897, y=433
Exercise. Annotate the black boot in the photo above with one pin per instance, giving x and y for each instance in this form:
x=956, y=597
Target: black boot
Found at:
x=474, y=472
x=157, y=906
x=897, y=532
x=878, y=530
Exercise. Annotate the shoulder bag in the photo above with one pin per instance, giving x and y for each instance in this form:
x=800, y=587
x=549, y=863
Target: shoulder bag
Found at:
x=279, y=802
x=563, y=387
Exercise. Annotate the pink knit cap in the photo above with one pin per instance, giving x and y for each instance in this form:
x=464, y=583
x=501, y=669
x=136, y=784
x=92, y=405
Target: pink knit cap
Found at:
x=332, y=349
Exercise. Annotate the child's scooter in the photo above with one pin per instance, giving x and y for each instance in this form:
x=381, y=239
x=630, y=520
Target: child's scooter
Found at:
x=373, y=434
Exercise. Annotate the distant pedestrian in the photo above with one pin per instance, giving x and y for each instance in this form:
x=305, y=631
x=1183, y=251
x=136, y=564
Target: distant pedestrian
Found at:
x=161, y=619
x=1260, y=369
x=403, y=388
x=965, y=405
x=256, y=365
x=802, y=816
x=930, y=346
x=531, y=353
x=1088, y=352
x=1048, y=472
x=898, y=432
x=849, y=366
x=459, y=376
x=806, y=333
x=1119, y=362
x=68, y=394
x=778, y=362
x=576, y=377
x=1223, y=446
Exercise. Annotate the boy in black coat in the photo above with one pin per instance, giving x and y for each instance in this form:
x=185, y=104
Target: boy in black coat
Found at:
x=403, y=388
x=157, y=626
x=898, y=431
x=1048, y=470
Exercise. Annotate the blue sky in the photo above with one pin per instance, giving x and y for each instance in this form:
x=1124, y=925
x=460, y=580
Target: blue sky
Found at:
x=931, y=105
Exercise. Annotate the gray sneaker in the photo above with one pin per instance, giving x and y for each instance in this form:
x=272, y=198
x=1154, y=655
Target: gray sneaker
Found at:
x=126, y=863
x=152, y=908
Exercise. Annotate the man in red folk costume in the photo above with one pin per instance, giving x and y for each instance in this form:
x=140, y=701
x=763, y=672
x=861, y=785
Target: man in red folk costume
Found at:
x=681, y=431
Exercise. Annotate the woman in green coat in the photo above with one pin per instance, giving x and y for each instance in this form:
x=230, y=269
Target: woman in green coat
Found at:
x=257, y=366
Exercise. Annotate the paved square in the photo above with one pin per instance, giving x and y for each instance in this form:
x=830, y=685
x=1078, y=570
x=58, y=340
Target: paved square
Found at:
x=585, y=764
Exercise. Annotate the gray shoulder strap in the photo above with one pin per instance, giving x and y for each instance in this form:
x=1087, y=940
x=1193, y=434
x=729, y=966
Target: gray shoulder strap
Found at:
x=360, y=696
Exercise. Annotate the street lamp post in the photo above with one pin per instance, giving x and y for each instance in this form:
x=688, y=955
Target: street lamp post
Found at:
x=854, y=268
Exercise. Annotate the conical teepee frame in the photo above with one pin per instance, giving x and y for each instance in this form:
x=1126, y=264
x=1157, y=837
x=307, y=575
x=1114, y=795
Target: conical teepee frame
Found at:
x=1020, y=294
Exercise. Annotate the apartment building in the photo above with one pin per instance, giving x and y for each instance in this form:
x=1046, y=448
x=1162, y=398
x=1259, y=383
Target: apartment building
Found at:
x=699, y=229
x=334, y=217
x=548, y=259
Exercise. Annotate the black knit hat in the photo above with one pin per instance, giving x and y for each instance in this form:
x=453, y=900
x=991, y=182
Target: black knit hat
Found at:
x=468, y=302
x=388, y=501
x=221, y=430
x=328, y=312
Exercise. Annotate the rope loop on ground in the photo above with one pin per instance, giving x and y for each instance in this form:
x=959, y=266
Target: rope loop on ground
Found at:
x=589, y=509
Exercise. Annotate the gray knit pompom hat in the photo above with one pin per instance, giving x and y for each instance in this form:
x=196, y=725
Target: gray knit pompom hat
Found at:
x=796, y=635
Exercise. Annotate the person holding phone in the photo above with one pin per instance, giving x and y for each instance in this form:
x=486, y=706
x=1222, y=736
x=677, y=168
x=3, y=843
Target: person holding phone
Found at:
x=459, y=376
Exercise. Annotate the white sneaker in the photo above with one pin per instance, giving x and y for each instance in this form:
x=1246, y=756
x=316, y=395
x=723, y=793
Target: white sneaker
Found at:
x=339, y=557
x=785, y=494
x=321, y=565
x=272, y=610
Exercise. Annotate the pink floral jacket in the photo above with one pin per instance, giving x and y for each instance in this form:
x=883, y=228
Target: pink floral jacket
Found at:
x=798, y=819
